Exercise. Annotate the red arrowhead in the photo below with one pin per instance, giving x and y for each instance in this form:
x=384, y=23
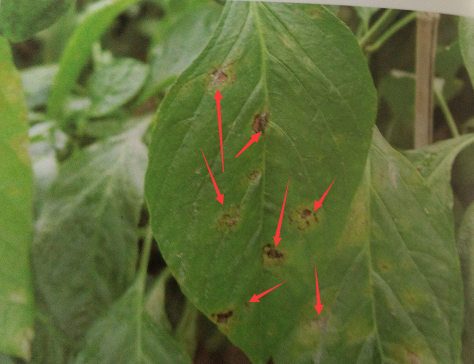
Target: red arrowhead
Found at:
x=220, y=197
x=255, y=298
x=218, y=95
x=318, y=306
x=253, y=138
x=277, y=238
x=218, y=98
x=318, y=204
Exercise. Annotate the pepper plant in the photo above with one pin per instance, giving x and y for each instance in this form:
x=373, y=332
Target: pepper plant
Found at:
x=122, y=120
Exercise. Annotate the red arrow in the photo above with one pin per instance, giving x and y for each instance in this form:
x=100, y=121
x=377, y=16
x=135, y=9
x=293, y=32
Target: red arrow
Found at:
x=218, y=98
x=253, y=138
x=318, y=306
x=277, y=238
x=219, y=197
x=318, y=204
x=256, y=297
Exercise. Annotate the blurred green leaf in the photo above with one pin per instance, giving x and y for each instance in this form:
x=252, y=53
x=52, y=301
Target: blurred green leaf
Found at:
x=466, y=41
x=397, y=89
x=115, y=84
x=4, y=359
x=448, y=62
x=182, y=42
x=85, y=245
x=364, y=14
x=127, y=334
x=21, y=19
x=93, y=23
x=16, y=185
x=49, y=345
x=37, y=82
x=465, y=241
x=266, y=60
x=434, y=163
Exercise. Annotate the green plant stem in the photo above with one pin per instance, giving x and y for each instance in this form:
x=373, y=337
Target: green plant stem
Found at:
x=391, y=31
x=447, y=113
x=142, y=269
x=388, y=16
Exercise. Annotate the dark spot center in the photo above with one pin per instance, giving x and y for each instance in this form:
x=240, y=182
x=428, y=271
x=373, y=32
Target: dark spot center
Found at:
x=219, y=76
x=222, y=317
x=259, y=122
x=305, y=213
x=272, y=252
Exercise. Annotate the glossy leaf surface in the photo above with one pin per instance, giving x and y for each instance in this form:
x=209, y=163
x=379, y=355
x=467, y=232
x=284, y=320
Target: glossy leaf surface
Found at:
x=316, y=123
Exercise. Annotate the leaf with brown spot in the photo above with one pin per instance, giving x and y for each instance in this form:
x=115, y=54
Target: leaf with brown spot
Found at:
x=279, y=63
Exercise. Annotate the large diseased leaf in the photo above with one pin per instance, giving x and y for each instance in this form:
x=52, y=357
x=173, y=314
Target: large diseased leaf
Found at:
x=466, y=40
x=400, y=300
x=16, y=214
x=127, y=334
x=279, y=71
x=21, y=19
x=85, y=251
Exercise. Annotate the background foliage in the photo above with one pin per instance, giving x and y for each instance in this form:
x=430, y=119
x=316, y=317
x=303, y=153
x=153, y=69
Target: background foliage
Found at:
x=113, y=248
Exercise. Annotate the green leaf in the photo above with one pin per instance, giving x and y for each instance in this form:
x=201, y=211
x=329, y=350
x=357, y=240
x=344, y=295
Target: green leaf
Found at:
x=85, y=245
x=397, y=89
x=6, y=359
x=399, y=295
x=365, y=14
x=465, y=241
x=267, y=61
x=37, y=82
x=448, y=62
x=113, y=85
x=127, y=334
x=16, y=185
x=93, y=23
x=180, y=45
x=466, y=41
x=21, y=19
x=435, y=161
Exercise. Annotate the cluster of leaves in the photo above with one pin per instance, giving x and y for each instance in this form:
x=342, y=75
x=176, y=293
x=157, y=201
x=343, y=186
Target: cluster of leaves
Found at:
x=106, y=206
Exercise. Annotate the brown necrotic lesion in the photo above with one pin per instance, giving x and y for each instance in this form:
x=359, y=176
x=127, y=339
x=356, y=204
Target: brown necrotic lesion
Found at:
x=303, y=217
x=272, y=257
x=228, y=220
x=222, y=317
x=260, y=121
